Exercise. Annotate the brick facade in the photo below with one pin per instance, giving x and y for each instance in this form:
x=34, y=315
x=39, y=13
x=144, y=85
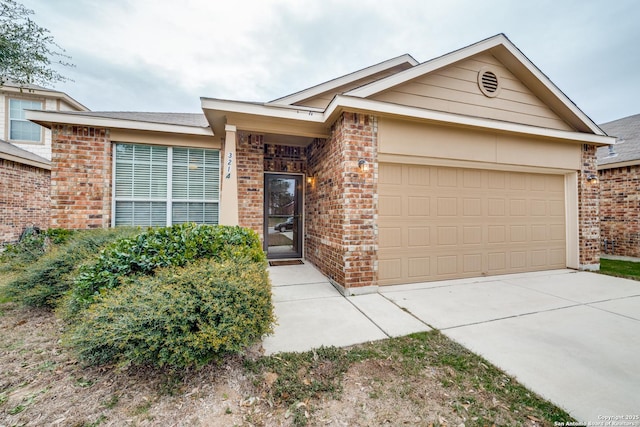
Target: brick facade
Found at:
x=620, y=211
x=81, y=160
x=588, y=212
x=250, y=165
x=341, y=203
x=24, y=199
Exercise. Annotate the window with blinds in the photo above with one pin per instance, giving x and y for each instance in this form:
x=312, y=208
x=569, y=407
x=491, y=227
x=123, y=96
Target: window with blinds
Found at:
x=158, y=186
x=21, y=129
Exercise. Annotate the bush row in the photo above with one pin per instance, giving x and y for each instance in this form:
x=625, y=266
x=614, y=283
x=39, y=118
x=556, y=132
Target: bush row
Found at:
x=46, y=262
x=163, y=247
x=179, y=317
x=177, y=296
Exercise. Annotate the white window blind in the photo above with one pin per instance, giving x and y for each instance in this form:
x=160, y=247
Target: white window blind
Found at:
x=21, y=129
x=157, y=186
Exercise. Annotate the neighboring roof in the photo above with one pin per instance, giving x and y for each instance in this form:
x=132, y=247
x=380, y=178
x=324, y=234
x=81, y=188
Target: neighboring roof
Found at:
x=10, y=152
x=186, y=123
x=315, y=122
x=43, y=91
x=398, y=63
x=626, y=150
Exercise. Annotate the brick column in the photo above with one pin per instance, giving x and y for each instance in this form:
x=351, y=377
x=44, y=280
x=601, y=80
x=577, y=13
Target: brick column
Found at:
x=341, y=205
x=250, y=167
x=588, y=211
x=81, y=159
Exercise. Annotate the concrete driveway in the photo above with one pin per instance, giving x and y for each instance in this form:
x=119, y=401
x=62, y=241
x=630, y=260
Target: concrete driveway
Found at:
x=572, y=337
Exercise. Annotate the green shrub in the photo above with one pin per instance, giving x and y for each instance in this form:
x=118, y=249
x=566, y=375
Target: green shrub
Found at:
x=32, y=245
x=182, y=316
x=161, y=247
x=48, y=276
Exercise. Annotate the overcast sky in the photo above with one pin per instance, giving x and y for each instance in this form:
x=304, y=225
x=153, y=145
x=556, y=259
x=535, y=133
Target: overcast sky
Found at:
x=163, y=55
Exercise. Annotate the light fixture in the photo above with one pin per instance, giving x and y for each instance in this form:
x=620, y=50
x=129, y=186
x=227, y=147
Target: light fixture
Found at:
x=310, y=179
x=592, y=179
x=363, y=165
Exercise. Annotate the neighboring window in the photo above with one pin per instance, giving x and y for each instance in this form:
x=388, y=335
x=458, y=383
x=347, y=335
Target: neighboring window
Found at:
x=158, y=186
x=21, y=129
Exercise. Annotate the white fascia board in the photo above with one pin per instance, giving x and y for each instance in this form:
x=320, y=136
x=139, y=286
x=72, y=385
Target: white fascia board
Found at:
x=426, y=67
x=43, y=117
x=551, y=86
x=344, y=80
x=343, y=102
x=307, y=114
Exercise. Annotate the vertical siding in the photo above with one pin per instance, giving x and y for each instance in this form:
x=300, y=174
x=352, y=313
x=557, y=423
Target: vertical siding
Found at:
x=455, y=89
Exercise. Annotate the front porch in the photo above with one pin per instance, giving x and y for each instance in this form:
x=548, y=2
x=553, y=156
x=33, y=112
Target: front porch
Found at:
x=307, y=197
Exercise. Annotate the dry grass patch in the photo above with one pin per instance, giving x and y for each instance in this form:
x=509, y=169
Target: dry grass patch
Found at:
x=419, y=380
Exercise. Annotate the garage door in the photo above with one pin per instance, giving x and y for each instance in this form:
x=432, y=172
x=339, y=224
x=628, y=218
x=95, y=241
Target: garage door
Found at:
x=440, y=223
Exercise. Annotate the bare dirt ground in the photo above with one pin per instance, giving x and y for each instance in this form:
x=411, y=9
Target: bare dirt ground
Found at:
x=42, y=385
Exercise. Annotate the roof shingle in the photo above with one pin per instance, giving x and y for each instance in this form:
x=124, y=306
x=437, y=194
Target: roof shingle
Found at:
x=627, y=147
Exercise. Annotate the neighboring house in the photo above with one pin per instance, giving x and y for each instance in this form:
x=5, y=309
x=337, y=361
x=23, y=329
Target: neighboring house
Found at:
x=471, y=164
x=619, y=172
x=16, y=129
x=24, y=192
x=25, y=151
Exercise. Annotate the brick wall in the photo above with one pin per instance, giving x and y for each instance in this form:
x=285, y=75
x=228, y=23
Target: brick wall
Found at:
x=620, y=211
x=341, y=203
x=80, y=177
x=24, y=199
x=588, y=212
x=250, y=164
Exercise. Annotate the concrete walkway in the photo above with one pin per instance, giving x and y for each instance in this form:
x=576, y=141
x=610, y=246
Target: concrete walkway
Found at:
x=572, y=337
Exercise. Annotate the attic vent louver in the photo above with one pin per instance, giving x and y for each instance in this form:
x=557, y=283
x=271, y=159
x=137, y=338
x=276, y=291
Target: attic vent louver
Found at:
x=488, y=82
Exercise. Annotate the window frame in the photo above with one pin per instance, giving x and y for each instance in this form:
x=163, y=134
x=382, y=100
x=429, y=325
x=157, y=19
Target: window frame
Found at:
x=169, y=200
x=10, y=120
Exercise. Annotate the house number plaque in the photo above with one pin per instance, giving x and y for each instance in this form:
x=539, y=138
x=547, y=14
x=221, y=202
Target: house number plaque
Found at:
x=229, y=164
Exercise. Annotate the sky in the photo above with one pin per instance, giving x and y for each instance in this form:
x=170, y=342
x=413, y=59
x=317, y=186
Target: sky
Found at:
x=163, y=55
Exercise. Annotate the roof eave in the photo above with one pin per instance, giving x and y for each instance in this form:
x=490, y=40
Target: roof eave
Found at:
x=348, y=103
x=306, y=121
x=48, y=118
x=25, y=161
x=615, y=165
x=47, y=93
x=319, y=122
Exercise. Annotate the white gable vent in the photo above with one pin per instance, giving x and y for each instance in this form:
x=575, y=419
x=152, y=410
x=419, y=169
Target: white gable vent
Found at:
x=489, y=82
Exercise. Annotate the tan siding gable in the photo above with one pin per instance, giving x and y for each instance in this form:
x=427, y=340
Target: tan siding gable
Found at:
x=455, y=89
x=323, y=99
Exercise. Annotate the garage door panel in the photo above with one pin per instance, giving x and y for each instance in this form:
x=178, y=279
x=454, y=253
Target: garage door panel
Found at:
x=419, y=206
x=453, y=222
x=418, y=236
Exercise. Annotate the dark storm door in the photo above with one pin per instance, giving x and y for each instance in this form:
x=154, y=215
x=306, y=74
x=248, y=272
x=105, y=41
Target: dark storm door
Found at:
x=283, y=215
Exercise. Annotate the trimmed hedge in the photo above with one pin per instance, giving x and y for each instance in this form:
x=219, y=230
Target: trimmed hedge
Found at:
x=182, y=316
x=46, y=262
x=162, y=247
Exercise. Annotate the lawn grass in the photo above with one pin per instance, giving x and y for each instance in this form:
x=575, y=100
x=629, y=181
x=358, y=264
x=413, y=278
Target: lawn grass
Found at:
x=487, y=391
x=628, y=269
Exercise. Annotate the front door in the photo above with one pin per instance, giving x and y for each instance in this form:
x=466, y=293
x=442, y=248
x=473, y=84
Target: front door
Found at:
x=282, y=215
